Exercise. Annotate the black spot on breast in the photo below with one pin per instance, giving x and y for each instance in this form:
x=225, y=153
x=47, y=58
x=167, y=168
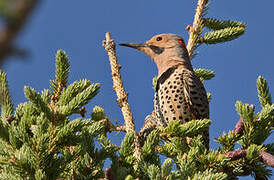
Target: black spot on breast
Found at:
x=173, y=91
x=199, y=105
x=174, y=118
x=186, y=119
x=193, y=92
x=180, y=117
x=178, y=106
x=178, y=90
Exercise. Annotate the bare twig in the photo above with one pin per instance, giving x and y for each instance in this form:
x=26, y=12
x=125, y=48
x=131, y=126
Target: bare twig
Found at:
x=9, y=32
x=196, y=28
x=120, y=128
x=110, y=127
x=122, y=96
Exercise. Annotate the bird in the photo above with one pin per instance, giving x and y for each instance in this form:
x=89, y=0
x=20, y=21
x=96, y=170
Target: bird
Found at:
x=179, y=95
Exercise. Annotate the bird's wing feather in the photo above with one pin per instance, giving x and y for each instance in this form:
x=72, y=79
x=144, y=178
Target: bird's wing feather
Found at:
x=195, y=95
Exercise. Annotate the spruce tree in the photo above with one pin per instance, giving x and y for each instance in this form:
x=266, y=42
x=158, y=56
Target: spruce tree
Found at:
x=40, y=139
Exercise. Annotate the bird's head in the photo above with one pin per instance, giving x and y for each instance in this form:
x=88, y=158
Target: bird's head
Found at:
x=166, y=50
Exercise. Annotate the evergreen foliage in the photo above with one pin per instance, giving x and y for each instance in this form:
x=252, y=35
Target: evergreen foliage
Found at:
x=223, y=30
x=40, y=140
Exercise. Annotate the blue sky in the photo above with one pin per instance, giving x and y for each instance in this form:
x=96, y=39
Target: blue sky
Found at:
x=79, y=27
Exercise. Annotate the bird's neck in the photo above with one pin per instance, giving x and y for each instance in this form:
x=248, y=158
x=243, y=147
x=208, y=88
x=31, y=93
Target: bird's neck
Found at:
x=165, y=65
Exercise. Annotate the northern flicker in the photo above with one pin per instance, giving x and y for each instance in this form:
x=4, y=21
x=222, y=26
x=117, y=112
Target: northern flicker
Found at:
x=179, y=94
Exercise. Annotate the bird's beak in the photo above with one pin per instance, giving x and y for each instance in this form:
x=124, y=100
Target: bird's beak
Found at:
x=145, y=47
x=138, y=46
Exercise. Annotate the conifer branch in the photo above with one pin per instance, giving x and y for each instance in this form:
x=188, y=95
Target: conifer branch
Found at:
x=222, y=35
x=263, y=91
x=154, y=82
x=6, y=107
x=246, y=111
x=196, y=29
x=120, y=128
x=36, y=99
x=191, y=128
x=209, y=174
x=80, y=100
x=223, y=31
x=5, y=100
x=215, y=24
x=127, y=145
x=98, y=114
x=62, y=72
x=204, y=74
x=62, y=68
x=122, y=96
x=209, y=97
x=148, y=151
x=72, y=90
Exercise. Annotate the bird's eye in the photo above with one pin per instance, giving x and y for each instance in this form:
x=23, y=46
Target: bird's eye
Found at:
x=159, y=38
